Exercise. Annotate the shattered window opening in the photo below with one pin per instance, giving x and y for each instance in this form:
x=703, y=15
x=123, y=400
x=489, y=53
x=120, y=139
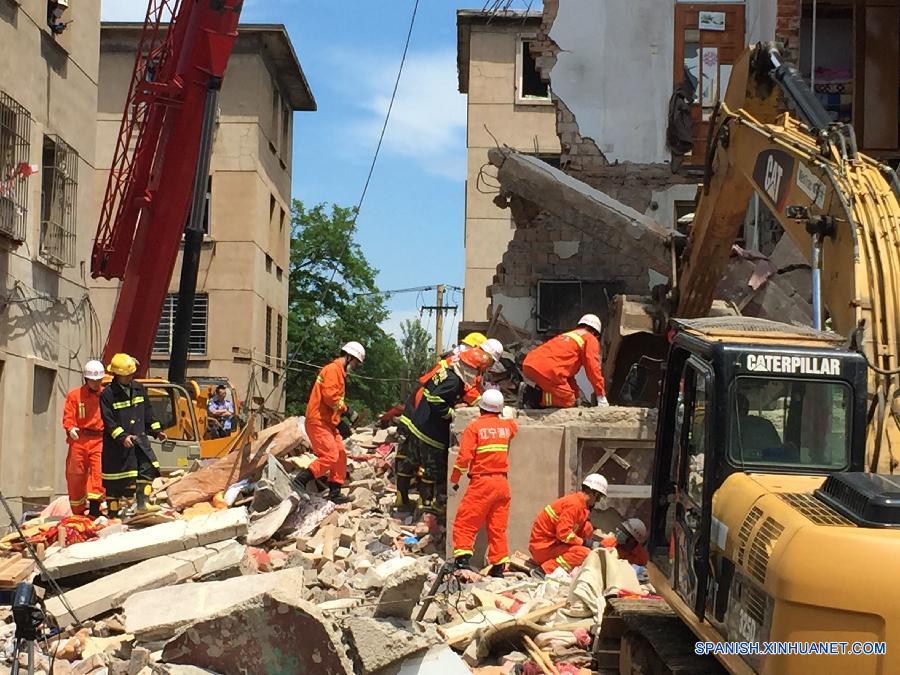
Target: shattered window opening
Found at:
x=531, y=86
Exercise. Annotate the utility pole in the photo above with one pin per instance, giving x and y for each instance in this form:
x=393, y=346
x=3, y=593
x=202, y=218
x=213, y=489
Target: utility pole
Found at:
x=439, y=320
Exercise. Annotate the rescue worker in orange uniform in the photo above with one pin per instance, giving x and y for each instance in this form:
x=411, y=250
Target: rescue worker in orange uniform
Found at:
x=425, y=424
x=323, y=415
x=628, y=540
x=561, y=534
x=553, y=365
x=484, y=457
x=84, y=435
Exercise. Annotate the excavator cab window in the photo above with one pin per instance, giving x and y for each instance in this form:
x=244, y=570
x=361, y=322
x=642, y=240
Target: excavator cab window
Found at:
x=791, y=423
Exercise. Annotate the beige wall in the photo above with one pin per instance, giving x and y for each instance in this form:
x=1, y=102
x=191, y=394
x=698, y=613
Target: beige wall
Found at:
x=493, y=103
x=250, y=165
x=47, y=326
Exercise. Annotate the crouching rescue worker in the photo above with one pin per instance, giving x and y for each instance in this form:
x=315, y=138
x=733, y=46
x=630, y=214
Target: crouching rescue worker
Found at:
x=561, y=533
x=628, y=540
x=484, y=457
x=553, y=365
x=84, y=435
x=323, y=416
x=129, y=464
x=425, y=424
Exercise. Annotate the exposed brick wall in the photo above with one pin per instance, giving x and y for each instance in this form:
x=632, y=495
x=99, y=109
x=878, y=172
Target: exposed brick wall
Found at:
x=787, y=28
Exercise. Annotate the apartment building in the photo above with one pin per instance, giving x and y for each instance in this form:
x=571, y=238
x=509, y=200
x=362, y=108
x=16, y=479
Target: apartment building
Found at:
x=239, y=327
x=48, y=326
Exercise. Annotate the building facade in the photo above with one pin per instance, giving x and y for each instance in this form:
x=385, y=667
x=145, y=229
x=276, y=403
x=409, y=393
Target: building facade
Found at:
x=48, y=324
x=507, y=104
x=239, y=327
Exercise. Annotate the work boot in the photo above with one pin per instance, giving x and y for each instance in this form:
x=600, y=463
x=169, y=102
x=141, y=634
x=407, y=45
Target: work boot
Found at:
x=141, y=495
x=94, y=508
x=497, y=570
x=112, y=508
x=302, y=481
x=463, y=562
x=335, y=496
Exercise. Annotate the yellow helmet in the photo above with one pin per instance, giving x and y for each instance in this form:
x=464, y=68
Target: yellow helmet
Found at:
x=122, y=364
x=474, y=339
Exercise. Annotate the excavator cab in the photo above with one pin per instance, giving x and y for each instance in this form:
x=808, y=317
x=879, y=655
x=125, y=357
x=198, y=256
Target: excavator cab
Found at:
x=744, y=395
x=173, y=407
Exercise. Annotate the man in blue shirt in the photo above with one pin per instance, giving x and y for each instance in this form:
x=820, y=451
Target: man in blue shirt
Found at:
x=222, y=411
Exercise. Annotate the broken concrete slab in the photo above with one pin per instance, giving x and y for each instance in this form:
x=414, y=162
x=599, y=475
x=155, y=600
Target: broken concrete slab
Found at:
x=202, y=484
x=149, y=542
x=379, y=644
x=111, y=591
x=264, y=525
x=273, y=488
x=276, y=632
x=230, y=559
x=156, y=614
x=439, y=660
x=401, y=592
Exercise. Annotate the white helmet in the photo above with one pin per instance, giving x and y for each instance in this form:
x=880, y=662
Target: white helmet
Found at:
x=591, y=321
x=636, y=528
x=93, y=370
x=596, y=482
x=492, y=401
x=356, y=350
x=493, y=347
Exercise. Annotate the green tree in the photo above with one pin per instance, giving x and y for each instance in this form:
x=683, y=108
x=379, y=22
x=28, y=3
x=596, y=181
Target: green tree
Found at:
x=328, y=306
x=416, y=351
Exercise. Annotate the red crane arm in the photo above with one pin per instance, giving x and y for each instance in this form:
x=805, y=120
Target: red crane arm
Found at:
x=152, y=174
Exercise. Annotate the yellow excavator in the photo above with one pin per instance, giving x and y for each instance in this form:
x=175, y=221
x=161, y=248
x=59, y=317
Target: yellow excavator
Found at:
x=775, y=517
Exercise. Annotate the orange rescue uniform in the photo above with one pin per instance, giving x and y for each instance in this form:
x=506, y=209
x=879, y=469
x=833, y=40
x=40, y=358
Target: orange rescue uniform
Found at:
x=560, y=533
x=84, y=458
x=323, y=414
x=484, y=456
x=553, y=365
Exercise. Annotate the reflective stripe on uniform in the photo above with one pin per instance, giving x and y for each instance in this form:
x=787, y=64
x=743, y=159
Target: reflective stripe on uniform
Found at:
x=319, y=380
x=493, y=447
x=115, y=433
x=562, y=563
x=137, y=399
x=461, y=551
x=418, y=434
x=155, y=426
x=155, y=464
x=575, y=336
x=431, y=398
x=460, y=469
x=502, y=561
x=118, y=405
x=570, y=537
x=548, y=401
x=120, y=476
x=76, y=502
x=94, y=496
x=550, y=512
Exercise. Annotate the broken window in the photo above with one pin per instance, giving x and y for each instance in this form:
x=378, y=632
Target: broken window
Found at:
x=531, y=86
x=561, y=303
x=279, y=341
x=15, y=132
x=56, y=15
x=162, y=344
x=268, y=335
x=268, y=264
x=59, y=191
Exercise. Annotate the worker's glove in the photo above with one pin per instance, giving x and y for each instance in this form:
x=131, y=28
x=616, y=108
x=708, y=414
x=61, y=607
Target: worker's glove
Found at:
x=161, y=436
x=602, y=402
x=344, y=427
x=73, y=433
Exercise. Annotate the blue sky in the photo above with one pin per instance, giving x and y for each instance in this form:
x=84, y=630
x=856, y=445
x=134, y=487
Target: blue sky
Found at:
x=411, y=224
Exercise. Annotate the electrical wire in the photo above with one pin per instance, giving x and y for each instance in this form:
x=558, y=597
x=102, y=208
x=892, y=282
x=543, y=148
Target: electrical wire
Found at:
x=365, y=190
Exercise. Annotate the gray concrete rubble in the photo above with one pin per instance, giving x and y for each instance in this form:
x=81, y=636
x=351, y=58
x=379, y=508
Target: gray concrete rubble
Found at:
x=273, y=488
x=401, y=591
x=376, y=645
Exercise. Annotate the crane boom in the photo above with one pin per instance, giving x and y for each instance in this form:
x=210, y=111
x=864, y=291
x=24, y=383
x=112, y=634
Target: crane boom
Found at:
x=153, y=171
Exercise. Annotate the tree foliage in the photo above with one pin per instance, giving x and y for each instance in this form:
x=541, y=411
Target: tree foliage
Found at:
x=328, y=306
x=416, y=351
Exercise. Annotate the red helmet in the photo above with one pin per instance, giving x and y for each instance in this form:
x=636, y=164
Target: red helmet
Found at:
x=478, y=359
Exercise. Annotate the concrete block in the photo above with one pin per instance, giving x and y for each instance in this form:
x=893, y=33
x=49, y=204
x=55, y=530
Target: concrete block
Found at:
x=265, y=525
x=380, y=644
x=158, y=614
x=276, y=632
x=111, y=591
x=401, y=592
x=150, y=542
x=273, y=488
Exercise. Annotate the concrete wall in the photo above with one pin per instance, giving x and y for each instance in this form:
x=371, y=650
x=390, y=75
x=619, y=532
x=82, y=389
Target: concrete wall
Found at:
x=47, y=322
x=245, y=258
x=531, y=127
x=555, y=450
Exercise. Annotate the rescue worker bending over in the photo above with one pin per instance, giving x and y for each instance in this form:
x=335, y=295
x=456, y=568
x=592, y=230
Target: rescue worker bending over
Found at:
x=484, y=456
x=553, y=365
x=84, y=436
x=628, y=540
x=425, y=424
x=561, y=533
x=129, y=464
x=323, y=416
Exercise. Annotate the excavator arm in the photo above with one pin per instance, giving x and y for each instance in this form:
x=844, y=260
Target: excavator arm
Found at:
x=839, y=206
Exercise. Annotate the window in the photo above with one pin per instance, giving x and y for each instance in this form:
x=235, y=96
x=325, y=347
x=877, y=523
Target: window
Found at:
x=276, y=111
x=280, y=219
x=269, y=334
x=59, y=190
x=561, y=303
x=199, y=321
x=285, y=131
x=272, y=205
x=696, y=439
x=530, y=85
x=279, y=341
x=790, y=422
x=268, y=264
x=265, y=375
x=15, y=132
x=43, y=421
x=278, y=272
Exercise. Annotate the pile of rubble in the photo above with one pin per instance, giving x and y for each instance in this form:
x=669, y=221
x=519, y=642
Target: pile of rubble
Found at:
x=237, y=574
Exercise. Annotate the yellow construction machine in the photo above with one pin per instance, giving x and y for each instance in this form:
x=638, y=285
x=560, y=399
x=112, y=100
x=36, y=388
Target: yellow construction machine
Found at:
x=775, y=517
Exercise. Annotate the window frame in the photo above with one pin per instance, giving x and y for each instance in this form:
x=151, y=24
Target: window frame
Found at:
x=520, y=97
x=15, y=124
x=59, y=211
x=167, y=323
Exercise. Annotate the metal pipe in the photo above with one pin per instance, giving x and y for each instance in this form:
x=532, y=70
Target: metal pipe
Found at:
x=817, y=281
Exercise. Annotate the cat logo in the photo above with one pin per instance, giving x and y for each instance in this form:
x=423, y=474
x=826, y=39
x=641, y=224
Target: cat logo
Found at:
x=801, y=365
x=772, y=174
